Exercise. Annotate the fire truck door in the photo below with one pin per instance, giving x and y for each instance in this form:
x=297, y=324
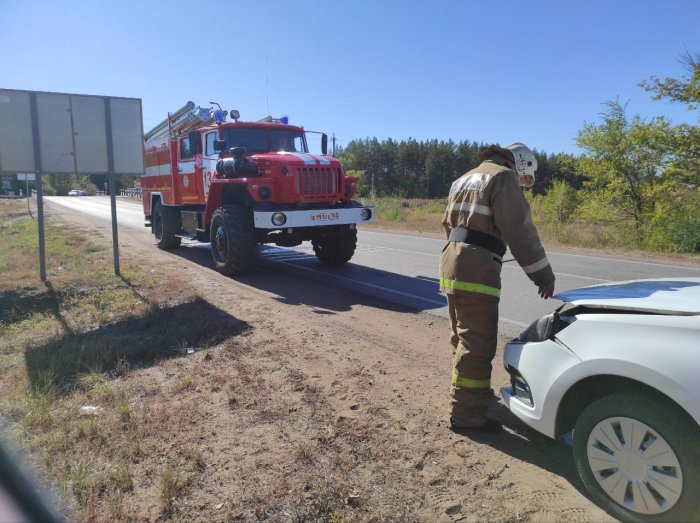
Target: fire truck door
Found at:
x=186, y=178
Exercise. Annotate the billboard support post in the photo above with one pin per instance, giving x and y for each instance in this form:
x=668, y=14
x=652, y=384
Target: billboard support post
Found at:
x=112, y=186
x=39, y=188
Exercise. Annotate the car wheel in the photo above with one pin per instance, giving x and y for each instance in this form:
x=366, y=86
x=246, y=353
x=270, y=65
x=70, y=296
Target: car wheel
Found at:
x=638, y=456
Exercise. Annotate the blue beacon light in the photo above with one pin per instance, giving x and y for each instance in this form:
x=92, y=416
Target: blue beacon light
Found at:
x=219, y=117
x=285, y=119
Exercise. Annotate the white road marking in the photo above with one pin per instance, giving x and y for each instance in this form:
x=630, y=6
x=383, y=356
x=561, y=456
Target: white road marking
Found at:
x=669, y=266
x=301, y=255
x=366, y=284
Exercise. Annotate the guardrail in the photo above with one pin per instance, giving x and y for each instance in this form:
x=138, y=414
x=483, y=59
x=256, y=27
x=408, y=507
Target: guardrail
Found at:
x=134, y=192
x=126, y=193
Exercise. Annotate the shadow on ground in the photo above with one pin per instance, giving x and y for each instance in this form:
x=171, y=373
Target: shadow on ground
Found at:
x=525, y=444
x=16, y=306
x=163, y=332
x=334, y=288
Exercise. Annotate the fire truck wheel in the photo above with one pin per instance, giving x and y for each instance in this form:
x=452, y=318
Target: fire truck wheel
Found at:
x=232, y=239
x=166, y=224
x=336, y=249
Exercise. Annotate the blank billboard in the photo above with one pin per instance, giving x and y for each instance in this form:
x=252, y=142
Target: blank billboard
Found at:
x=76, y=133
x=16, y=144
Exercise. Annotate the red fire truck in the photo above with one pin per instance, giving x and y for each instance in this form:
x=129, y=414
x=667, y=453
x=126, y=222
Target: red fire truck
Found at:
x=236, y=184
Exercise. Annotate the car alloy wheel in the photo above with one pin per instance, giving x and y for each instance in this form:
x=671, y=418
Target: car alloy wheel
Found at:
x=634, y=465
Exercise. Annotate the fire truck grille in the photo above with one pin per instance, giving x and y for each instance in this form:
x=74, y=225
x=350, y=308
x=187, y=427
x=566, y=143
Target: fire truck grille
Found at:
x=313, y=181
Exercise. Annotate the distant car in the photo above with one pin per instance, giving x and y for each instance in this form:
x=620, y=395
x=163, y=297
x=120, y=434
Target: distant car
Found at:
x=76, y=192
x=619, y=365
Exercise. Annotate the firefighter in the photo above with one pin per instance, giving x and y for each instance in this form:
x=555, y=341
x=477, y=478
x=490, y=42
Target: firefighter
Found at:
x=486, y=210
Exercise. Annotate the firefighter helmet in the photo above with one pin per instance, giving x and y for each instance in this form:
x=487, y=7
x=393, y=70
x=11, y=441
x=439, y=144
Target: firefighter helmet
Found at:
x=525, y=163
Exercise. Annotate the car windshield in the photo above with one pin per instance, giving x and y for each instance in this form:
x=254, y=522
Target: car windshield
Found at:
x=257, y=140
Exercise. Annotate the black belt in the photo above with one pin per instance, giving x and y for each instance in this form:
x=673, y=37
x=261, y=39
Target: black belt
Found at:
x=478, y=238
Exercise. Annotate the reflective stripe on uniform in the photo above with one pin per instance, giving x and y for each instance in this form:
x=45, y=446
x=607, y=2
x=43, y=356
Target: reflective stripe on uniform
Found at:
x=537, y=266
x=469, y=286
x=469, y=383
x=474, y=182
x=475, y=208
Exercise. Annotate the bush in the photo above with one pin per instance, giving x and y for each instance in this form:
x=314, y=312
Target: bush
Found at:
x=559, y=205
x=676, y=229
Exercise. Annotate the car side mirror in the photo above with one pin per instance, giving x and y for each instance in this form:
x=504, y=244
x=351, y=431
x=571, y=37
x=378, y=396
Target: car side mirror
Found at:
x=324, y=143
x=219, y=145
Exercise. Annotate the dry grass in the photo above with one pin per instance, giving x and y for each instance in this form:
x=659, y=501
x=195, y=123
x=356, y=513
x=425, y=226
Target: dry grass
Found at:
x=411, y=215
x=425, y=216
x=75, y=341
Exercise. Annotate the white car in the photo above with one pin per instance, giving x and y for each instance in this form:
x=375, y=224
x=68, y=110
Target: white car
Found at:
x=76, y=192
x=619, y=365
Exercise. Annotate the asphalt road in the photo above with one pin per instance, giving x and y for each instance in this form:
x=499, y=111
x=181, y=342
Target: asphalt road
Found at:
x=403, y=269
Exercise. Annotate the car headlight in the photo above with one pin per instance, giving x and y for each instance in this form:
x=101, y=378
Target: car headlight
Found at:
x=545, y=328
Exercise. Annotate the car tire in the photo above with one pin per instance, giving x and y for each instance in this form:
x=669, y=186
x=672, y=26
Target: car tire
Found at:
x=336, y=249
x=232, y=236
x=639, y=458
x=167, y=223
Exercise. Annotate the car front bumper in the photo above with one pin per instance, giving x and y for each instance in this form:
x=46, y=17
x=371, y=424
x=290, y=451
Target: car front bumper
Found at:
x=539, y=379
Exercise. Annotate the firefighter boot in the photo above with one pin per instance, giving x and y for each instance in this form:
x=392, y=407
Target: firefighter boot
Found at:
x=469, y=410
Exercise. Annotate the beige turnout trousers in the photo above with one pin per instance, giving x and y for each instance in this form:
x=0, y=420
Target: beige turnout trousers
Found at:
x=474, y=323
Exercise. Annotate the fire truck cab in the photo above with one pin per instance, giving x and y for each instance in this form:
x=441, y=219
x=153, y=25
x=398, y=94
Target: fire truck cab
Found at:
x=236, y=184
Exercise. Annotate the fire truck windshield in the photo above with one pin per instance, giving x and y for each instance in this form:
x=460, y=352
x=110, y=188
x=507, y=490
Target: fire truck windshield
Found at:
x=288, y=141
x=257, y=140
x=254, y=140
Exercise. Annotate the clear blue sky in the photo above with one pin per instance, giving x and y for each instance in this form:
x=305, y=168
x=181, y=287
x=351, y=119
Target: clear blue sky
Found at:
x=491, y=71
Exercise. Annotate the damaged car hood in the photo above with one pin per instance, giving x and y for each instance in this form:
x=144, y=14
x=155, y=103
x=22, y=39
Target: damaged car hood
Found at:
x=679, y=296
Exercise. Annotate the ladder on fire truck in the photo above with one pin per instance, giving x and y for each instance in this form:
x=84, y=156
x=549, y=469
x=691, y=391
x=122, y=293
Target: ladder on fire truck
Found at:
x=186, y=118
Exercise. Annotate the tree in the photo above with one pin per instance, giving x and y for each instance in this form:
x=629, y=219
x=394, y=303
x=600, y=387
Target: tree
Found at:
x=686, y=90
x=676, y=223
x=623, y=160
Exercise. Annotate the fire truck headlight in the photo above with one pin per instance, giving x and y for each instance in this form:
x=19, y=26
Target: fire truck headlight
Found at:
x=279, y=219
x=264, y=193
x=366, y=214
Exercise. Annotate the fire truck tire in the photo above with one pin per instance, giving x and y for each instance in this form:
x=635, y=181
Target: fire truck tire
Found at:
x=232, y=239
x=166, y=224
x=336, y=250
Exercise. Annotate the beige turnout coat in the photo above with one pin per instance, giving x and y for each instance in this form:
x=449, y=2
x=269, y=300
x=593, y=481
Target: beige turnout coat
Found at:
x=488, y=199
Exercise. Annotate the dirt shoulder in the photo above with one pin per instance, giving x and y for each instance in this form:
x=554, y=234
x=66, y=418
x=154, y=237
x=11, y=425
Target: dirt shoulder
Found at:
x=321, y=405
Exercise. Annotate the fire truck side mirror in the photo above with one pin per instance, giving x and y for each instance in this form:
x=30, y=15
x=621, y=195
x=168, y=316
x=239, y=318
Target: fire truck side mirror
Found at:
x=324, y=143
x=219, y=145
x=195, y=142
